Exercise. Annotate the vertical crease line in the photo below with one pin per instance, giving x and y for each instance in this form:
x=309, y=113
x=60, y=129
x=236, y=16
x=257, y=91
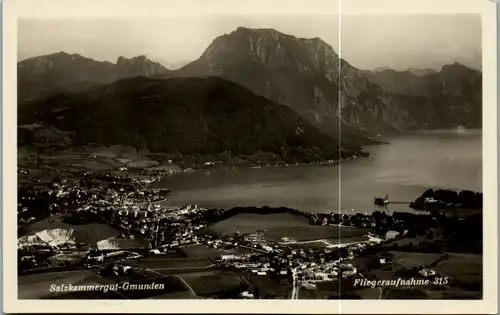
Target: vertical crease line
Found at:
x=339, y=113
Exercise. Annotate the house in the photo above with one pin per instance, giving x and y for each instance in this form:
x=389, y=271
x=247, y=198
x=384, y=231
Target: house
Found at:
x=427, y=272
x=155, y=252
x=348, y=273
x=391, y=235
x=247, y=295
x=308, y=286
x=373, y=239
x=125, y=268
x=227, y=257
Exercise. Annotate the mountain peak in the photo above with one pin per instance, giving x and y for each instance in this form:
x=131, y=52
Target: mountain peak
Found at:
x=422, y=71
x=270, y=48
x=455, y=65
x=140, y=58
x=457, y=68
x=243, y=29
x=139, y=66
x=58, y=55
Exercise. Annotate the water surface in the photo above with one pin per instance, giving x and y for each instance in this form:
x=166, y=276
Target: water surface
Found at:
x=402, y=169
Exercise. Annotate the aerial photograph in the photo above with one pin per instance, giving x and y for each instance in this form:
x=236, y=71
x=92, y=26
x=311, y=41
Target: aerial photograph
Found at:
x=250, y=157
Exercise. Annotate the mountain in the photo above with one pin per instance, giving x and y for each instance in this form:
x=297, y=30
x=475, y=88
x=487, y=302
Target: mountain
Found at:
x=208, y=117
x=444, y=99
x=380, y=69
x=403, y=82
x=432, y=84
x=139, y=66
x=172, y=65
x=420, y=72
x=309, y=77
x=304, y=74
x=62, y=72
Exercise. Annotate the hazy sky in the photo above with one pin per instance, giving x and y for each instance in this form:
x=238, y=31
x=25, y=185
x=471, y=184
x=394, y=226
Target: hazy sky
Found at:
x=397, y=41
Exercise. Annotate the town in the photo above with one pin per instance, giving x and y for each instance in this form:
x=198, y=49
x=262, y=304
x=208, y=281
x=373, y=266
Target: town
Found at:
x=148, y=230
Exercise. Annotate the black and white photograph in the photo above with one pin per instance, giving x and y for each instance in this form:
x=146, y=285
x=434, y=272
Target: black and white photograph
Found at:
x=252, y=157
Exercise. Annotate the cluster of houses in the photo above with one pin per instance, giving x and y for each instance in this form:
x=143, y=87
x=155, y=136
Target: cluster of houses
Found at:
x=94, y=257
x=308, y=265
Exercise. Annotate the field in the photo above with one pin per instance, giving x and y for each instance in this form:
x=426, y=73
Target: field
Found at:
x=465, y=272
x=123, y=243
x=266, y=287
x=331, y=290
x=406, y=294
x=98, y=158
x=410, y=260
x=59, y=259
x=279, y=225
x=37, y=286
x=218, y=284
x=200, y=251
x=160, y=263
x=461, y=265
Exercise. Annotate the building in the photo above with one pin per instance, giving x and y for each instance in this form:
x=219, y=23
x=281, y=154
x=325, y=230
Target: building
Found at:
x=427, y=272
x=247, y=295
x=255, y=238
x=308, y=286
x=227, y=257
x=374, y=239
x=391, y=235
x=267, y=248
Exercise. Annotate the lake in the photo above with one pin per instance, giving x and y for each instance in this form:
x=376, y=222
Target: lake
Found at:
x=402, y=169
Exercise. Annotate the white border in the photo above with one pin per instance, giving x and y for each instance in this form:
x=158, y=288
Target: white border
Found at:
x=14, y=9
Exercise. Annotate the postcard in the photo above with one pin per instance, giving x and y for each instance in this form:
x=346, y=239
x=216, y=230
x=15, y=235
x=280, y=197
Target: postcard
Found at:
x=230, y=156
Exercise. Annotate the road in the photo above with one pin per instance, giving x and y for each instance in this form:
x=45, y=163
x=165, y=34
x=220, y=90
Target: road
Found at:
x=253, y=248
x=178, y=277
x=328, y=244
x=184, y=268
x=295, y=284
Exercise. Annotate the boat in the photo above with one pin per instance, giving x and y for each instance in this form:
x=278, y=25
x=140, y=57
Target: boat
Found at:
x=460, y=128
x=381, y=201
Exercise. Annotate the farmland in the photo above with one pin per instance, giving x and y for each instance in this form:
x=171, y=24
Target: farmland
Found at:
x=279, y=225
x=38, y=285
x=266, y=288
x=219, y=284
x=331, y=290
x=414, y=259
x=171, y=263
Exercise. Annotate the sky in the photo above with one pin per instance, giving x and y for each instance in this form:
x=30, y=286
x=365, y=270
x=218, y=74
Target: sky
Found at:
x=368, y=41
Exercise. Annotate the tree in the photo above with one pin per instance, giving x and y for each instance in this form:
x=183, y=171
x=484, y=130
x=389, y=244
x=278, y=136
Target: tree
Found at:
x=430, y=235
x=140, y=143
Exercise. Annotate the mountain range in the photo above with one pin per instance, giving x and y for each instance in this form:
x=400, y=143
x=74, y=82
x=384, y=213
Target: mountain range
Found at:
x=62, y=72
x=209, y=117
x=335, y=99
x=452, y=78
